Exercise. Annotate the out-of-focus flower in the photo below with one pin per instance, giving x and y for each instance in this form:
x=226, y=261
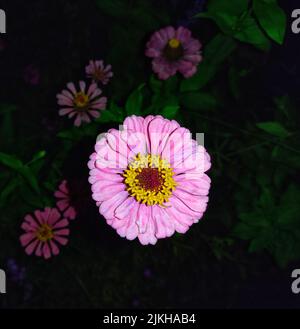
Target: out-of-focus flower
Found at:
x=82, y=104
x=148, y=179
x=97, y=71
x=174, y=50
x=43, y=232
x=64, y=201
x=31, y=75
x=17, y=275
x=147, y=273
x=15, y=272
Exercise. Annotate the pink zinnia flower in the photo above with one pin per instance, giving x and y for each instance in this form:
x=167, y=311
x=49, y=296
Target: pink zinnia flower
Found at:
x=97, y=71
x=174, y=50
x=148, y=179
x=43, y=232
x=82, y=104
x=64, y=202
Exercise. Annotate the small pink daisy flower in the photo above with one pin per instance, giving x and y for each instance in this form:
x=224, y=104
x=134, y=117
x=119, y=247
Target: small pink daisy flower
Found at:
x=148, y=179
x=82, y=104
x=174, y=50
x=97, y=71
x=43, y=232
x=64, y=202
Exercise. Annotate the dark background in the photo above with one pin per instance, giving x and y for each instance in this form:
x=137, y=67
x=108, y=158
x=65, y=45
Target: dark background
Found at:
x=209, y=267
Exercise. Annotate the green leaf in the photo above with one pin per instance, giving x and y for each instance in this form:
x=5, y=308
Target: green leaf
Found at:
x=248, y=31
x=39, y=155
x=220, y=48
x=272, y=19
x=198, y=101
x=7, y=108
x=17, y=165
x=8, y=190
x=273, y=128
x=215, y=54
x=289, y=207
x=226, y=23
x=170, y=85
x=204, y=74
x=113, y=114
x=259, y=243
x=170, y=111
x=232, y=7
x=31, y=178
x=135, y=101
x=243, y=231
x=10, y=161
x=73, y=134
x=240, y=25
x=155, y=84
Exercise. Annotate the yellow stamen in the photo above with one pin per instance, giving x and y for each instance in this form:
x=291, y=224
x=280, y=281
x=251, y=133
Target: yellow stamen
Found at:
x=174, y=43
x=81, y=100
x=44, y=233
x=149, y=179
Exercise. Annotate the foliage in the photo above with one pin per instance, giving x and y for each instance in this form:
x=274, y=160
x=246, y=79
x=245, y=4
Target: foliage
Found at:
x=253, y=140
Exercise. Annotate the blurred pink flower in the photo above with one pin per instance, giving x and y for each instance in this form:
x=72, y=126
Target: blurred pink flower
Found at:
x=97, y=71
x=148, y=179
x=82, y=104
x=43, y=231
x=64, y=202
x=31, y=75
x=174, y=50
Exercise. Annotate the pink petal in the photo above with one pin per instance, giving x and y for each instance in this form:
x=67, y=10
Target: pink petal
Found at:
x=29, y=219
x=62, y=204
x=125, y=208
x=95, y=114
x=60, y=195
x=31, y=247
x=26, y=238
x=71, y=86
x=46, y=251
x=38, y=251
x=53, y=217
x=63, y=187
x=77, y=121
x=65, y=111
x=54, y=248
x=70, y=213
x=82, y=86
x=65, y=232
x=61, y=223
x=108, y=207
x=61, y=240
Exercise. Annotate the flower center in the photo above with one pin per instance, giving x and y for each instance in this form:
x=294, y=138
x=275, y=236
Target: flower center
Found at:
x=149, y=179
x=81, y=100
x=174, y=43
x=44, y=233
x=173, y=50
x=98, y=74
